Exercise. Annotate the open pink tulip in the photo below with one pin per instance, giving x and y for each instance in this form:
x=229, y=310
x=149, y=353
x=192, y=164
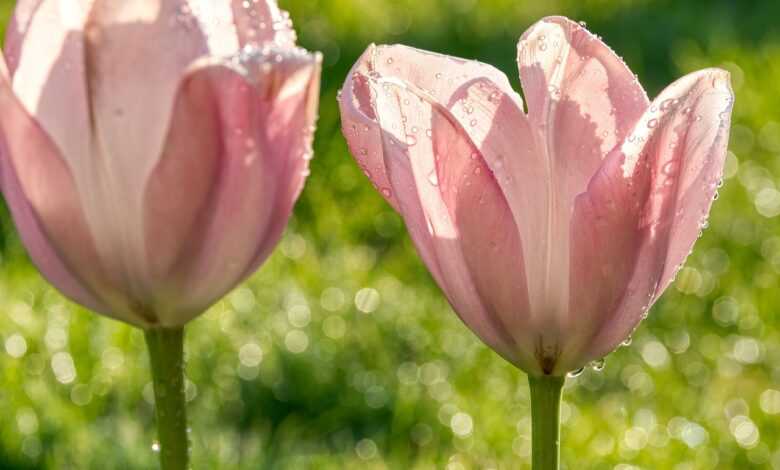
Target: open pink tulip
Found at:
x=152, y=150
x=553, y=230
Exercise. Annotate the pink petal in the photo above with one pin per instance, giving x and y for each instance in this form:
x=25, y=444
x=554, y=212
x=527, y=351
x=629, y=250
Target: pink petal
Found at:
x=683, y=138
x=249, y=164
x=46, y=49
x=16, y=31
x=178, y=189
x=582, y=101
x=440, y=189
x=262, y=22
x=94, y=78
x=487, y=234
x=290, y=127
x=606, y=237
x=502, y=133
x=131, y=87
x=442, y=76
x=43, y=200
x=582, y=96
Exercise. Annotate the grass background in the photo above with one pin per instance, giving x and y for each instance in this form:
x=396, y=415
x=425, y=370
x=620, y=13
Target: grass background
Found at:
x=342, y=353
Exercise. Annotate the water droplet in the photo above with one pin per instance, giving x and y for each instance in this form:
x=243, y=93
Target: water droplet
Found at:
x=627, y=342
x=411, y=140
x=576, y=373
x=668, y=104
x=386, y=192
x=599, y=365
x=433, y=178
x=670, y=168
x=653, y=123
x=473, y=123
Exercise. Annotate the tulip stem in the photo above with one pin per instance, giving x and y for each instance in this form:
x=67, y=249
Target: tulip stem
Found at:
x=545, y=421
x=166, y=351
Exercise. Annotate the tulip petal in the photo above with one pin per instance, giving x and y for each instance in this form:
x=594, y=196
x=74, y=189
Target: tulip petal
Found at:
x=16, y=32
x=582, y=101
x=486, y=232
x=131, y=91
x=441, y=185
x=290, y=127
x=442, y=76
x=683, y=139
x=43, y=200
x=606, y=237
x=45, y=48
x=203, y=232
x=502, y=132
x=180, y=185
x=582, y=96
x=247, y=163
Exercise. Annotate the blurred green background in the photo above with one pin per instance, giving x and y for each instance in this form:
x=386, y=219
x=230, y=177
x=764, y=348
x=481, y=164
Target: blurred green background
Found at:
x=342, y=353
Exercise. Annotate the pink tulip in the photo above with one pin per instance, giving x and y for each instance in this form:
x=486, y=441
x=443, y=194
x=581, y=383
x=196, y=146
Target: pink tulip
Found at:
x=152, y=150
x=551, y=231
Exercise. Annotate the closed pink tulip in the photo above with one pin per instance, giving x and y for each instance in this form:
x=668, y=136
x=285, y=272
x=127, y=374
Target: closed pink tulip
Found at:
x=152, y=150
x=551, y=230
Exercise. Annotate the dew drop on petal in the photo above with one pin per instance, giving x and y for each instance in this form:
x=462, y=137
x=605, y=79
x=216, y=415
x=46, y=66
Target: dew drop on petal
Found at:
x=433, y=178
x=670, y=168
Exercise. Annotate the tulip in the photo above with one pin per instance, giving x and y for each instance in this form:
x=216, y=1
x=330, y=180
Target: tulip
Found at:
x=550, y=231
x=152, y=151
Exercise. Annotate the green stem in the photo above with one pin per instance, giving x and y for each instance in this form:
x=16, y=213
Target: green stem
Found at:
x=166, y=351
x=545, y=421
